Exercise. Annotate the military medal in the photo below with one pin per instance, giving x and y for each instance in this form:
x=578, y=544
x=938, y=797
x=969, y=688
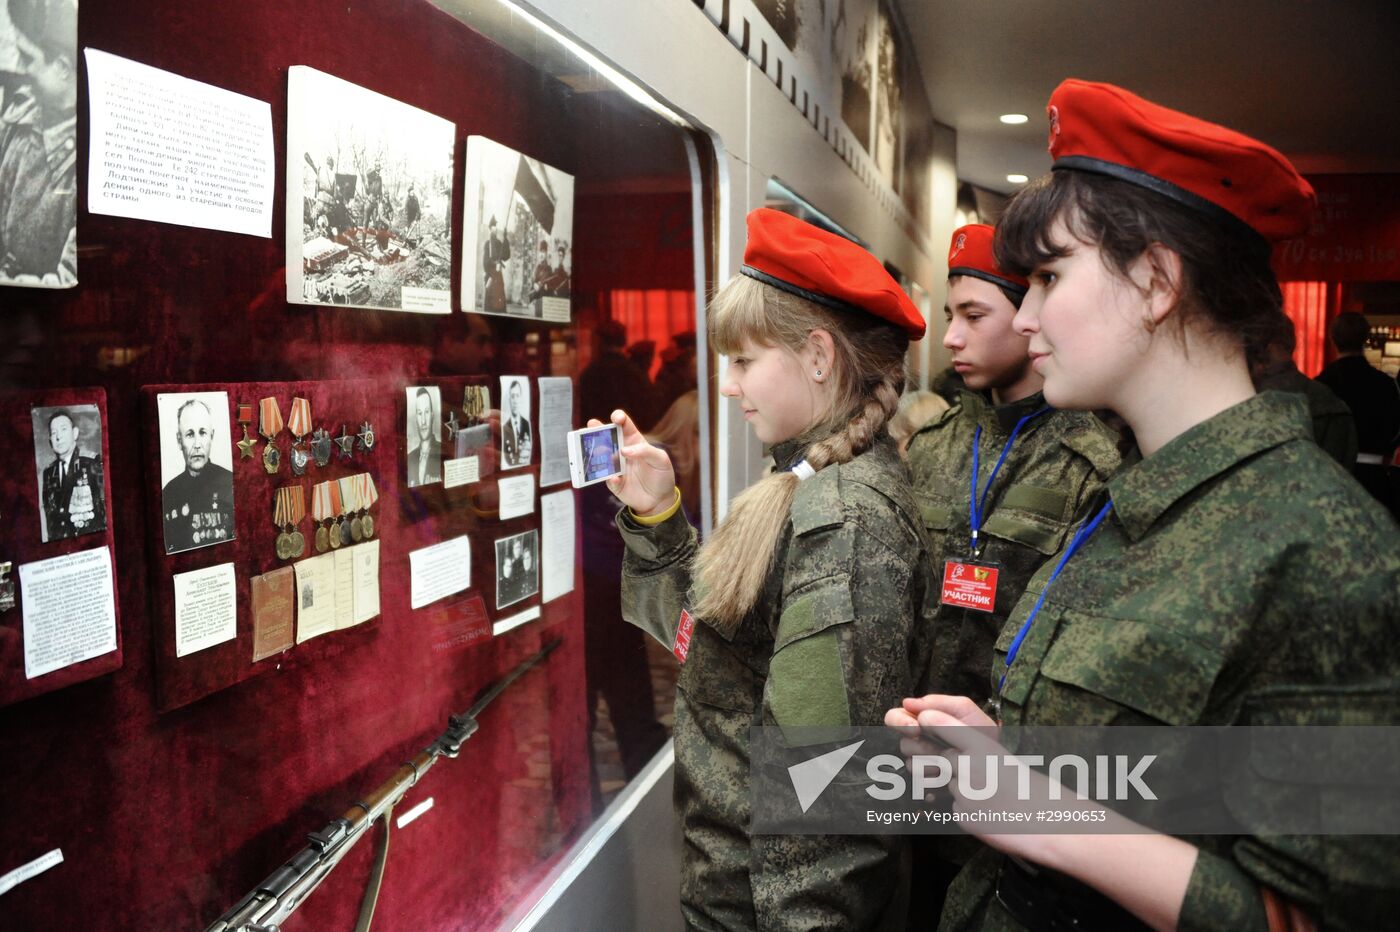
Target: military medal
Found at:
x=299, y=424
x=366, y=436
x=367, y=495
x=291, y=508
x=7, y=588
x=321, y=447
x=475, y=400
x=270, y=425
x=346, y=443
x=452, y=428
x=81, y=510
x=334, y=537
x=321, y=514
x=349, y=495
x=247, y=445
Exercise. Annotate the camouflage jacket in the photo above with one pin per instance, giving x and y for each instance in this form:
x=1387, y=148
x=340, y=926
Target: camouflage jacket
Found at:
x=838, y=636
x=1222, y=589
x=1059, y=462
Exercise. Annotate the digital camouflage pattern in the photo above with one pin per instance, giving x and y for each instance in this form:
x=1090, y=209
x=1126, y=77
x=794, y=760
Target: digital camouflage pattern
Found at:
x=1241, y=578
x=838, y=636
x=1060, y=461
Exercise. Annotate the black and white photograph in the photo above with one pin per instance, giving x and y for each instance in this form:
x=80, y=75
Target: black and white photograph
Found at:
x=38, y=143
x=196, y=470
x=424, y=433
x=517, y=434
x=517, y=232
x=68, y=462
x=369, y=192
x=517, y=568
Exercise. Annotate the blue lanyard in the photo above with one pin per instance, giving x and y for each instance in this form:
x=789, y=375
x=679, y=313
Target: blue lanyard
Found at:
x=976, y=503
x=1080, y=536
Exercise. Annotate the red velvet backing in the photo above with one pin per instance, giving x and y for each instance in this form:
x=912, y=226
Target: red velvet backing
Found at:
x=165, y=818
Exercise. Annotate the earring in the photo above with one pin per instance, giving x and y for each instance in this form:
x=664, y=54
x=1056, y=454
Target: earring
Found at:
x=819, y=373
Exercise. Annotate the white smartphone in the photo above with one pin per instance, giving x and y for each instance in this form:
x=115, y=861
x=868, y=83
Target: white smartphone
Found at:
x=595, y=454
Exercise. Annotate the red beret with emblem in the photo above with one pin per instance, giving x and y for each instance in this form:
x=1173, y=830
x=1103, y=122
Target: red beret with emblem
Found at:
x=826, y=269
x=970, y=253
x=1105, y=129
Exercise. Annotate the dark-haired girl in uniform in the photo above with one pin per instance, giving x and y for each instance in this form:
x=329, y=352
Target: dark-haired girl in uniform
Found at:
x=1220, y=581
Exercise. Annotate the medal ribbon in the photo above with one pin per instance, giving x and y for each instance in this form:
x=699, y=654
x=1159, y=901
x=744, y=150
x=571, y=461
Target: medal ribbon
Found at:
x=975, y=516
x=347, y=494
x=245, y=413
x=368, y=494
x=291, y=506
x=321, y=502
x=269, y=418
x=1084, y=532
x=300, y=421
x=336, y=509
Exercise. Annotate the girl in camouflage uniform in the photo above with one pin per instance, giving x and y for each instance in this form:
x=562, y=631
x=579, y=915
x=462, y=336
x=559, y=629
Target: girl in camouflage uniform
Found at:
x=1216, y=583
x=805, y=607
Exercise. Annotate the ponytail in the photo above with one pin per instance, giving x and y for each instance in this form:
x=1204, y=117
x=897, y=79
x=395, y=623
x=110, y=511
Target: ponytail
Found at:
x=733, y=565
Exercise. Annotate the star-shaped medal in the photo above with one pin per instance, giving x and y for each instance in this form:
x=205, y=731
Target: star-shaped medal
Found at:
x=366, y=436
x=247, y=445
x=452, y=428
x=346, y=443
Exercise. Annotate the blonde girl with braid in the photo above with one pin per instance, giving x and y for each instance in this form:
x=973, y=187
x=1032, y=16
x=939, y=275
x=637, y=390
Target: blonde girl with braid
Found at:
x=806, y=606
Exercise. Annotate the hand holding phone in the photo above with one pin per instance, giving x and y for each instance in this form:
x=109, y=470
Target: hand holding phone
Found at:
x=648, y=484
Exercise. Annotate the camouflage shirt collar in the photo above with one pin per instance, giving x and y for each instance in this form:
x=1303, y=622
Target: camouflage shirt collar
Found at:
x=1143, y=493
x=1001, y=418
x=786, y=453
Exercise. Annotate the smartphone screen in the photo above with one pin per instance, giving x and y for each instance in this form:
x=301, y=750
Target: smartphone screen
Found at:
x=601, y=449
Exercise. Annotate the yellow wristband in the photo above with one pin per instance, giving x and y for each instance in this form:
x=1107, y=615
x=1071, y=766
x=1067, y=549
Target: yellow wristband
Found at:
x=657, y=519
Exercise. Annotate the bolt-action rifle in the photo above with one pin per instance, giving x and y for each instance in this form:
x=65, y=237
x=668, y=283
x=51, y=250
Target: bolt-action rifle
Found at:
x=277, y=897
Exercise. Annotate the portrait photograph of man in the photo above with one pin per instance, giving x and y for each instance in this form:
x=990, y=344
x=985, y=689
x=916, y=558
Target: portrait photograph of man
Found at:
x=424, y=435
x=517, y=568
x=196, y=470
x=517, y=437
x=68, y=461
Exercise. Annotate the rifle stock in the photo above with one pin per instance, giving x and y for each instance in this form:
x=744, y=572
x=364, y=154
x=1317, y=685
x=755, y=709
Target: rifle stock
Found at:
x=285, y=889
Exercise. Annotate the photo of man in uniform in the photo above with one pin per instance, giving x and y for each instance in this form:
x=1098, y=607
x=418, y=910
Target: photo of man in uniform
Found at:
x=517, y=572
x=424, y=448
x=71, y=495
x=494, y=256
x=516, y=435
x=197, y=501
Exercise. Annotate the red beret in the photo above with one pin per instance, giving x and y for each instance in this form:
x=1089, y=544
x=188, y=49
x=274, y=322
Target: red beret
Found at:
x=824, y=268
x=970, y=253
x=1105, y=129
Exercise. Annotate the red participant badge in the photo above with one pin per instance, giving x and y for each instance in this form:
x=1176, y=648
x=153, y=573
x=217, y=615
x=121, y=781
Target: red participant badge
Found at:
x=683, y=632
x=970, y=585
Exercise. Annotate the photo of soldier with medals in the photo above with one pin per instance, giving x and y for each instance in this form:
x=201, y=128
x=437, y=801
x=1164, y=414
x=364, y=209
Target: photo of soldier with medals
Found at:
x=424, y=429
x=196, y=466
x=68, y=462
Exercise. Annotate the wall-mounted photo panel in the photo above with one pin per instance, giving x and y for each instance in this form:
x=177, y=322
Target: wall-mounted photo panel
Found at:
x=196, y=470
x=517, y=568
x=369, y=189
x=517, y=233
x=39, y=144
x=68, y=465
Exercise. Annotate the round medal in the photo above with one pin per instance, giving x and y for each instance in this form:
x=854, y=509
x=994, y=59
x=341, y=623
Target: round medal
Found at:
x=283, y=546
x=272, y=458
x=322, y=539
x=356, y=531
x=334, y=534
x=345, y=538
x=367, y=525
x=298, y=545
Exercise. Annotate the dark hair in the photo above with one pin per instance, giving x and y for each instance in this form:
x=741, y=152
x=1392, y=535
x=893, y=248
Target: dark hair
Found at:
x=62, y=412
x=1227, y=282
x=1015, y=296
x=1349, y=332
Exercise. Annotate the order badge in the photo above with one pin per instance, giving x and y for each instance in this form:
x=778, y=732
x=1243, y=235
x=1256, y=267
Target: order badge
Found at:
x=970, y=585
